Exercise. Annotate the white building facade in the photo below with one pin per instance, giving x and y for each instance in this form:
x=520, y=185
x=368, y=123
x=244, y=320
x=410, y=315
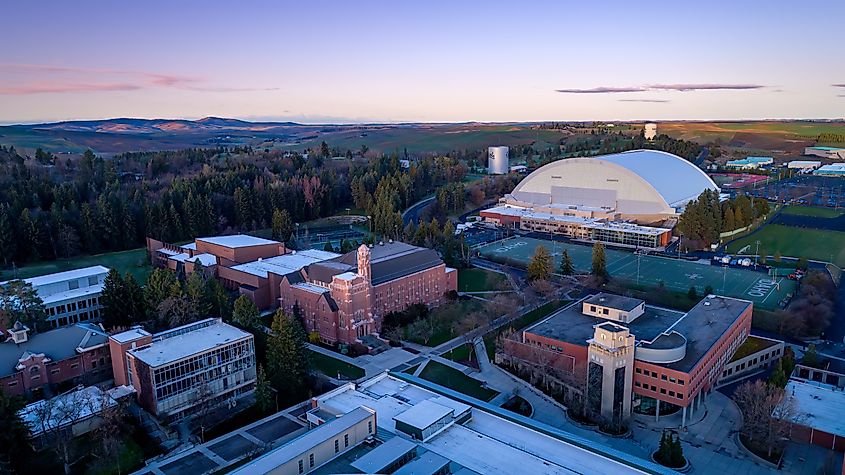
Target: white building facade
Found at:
x=72, y=296
x=497, y=161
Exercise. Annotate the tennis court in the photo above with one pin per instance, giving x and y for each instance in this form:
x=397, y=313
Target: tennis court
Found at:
x=678, y=275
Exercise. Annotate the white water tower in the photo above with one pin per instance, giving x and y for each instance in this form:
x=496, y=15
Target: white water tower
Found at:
x=650, y=131
x=497, y=161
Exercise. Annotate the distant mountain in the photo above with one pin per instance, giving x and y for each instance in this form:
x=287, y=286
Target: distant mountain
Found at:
x=145, y=126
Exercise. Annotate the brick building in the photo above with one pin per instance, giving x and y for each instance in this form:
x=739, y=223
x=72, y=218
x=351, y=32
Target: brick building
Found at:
x=635, y=356
x=345, y=298
x=342, y=297
x=36, y=365
x=186, y=369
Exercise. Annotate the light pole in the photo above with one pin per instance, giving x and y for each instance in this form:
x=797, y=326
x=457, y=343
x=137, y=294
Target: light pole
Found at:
x=757, y=253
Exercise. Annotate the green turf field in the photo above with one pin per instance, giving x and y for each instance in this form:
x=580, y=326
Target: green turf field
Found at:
x=813, y=211
x=678, y=275
x=134, y=261
x=815, y=244
x=479, y=280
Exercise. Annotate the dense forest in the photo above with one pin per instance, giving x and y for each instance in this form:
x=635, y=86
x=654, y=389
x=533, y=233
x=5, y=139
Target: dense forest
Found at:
x=53, y=206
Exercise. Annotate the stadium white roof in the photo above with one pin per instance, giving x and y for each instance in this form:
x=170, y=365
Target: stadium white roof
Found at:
x=677, y=179
x=237, y=240
x=634, y=182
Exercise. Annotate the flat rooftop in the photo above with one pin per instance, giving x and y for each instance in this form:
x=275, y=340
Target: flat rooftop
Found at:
x=285, y=264
x=237, y=240
x=282, y=455
x=190, y=343
x=819, y=406
x=486, y=443
x=129, y=335
x=592, y=223
x=423, y=414
x=64, y=276
x=619, y=302
x=702, y=326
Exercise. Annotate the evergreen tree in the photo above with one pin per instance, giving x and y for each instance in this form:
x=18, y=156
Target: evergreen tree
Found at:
x=29, y=236
x=136, y=304
x=811, y=357
x=219, y=300
x=20, y=302
x=195, y=291
x=287, y=357
x=328, y=247
x=263, y=392
x=676, y=453
x=778, y=377
x=245, y=313
x=540, y=266
x=115, y=301
x=566, y=266
x=692, y=293
x=7, y=236
x=599, y=267
x=14, y=435
x=282, y=225
x=158, y=287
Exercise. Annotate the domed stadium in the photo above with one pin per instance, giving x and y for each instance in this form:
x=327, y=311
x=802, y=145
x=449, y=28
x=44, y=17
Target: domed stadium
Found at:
x=645, y=186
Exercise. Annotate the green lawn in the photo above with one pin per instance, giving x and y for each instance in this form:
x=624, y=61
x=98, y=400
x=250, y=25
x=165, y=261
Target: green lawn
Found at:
x=461, y=353
x=814, y=211
x=134, y=261
x=443, y=320
x=813, y=244
x=332, y=366
x=453, y=379
x=479, y=280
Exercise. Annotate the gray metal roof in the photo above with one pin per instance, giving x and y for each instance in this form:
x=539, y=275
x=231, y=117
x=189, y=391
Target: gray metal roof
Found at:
x=58, y=344
x=388, y=261
x=427, y=464
x=384, y=455
x=295, y=448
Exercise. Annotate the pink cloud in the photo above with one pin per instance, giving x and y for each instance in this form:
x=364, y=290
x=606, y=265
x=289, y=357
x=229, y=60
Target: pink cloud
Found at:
x=21, y=79
x=705, y=87
x=57, y=87
x=601, y=90
x=662, y=87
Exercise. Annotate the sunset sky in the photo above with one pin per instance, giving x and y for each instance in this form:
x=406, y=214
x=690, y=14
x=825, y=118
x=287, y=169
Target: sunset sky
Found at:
x=394, y=61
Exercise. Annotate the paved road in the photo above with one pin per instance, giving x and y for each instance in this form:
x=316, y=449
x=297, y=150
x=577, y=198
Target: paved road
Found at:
x=413, y=213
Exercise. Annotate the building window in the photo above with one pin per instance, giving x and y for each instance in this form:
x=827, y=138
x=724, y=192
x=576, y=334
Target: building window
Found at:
x=638, y=370
x=346, y=440
x=637, y=383
x=13, y=384
x=672, y=393
x=680, y=396
x=663, y=377
x=336, y=446
x=662, y=391
x=369, y=427
x=311, y=460
x=681, y=382
x=301, y=467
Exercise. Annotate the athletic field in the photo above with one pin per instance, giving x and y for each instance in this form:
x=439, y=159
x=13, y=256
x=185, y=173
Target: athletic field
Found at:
x=678, y=275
